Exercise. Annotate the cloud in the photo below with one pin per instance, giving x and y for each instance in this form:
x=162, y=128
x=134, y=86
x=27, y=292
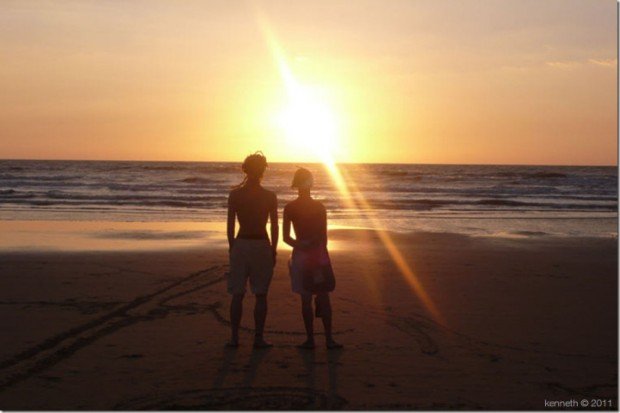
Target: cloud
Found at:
x=564, y=65
x=603, y=62
x=572, y=64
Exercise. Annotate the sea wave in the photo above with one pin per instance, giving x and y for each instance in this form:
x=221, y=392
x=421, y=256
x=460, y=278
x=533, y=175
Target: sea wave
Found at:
x=200, y=180
x=179, y=187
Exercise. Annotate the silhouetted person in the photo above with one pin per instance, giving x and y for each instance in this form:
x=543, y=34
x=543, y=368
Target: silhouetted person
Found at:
x=309, y=258
x=252, y=256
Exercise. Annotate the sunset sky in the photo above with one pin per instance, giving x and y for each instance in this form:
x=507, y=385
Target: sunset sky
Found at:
x=422, y=81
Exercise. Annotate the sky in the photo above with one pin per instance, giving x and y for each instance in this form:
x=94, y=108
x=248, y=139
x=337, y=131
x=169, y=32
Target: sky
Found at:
x=416, y=81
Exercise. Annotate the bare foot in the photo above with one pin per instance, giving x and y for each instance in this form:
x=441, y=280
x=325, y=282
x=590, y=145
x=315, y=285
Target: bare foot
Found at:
x=308, y=344
x=332, y=345
x=259, y=342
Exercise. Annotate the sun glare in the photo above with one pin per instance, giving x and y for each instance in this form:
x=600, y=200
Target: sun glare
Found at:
x=309, y=123
x=307, y=119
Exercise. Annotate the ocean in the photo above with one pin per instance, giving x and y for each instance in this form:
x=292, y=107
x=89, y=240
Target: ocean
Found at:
x=511, y=201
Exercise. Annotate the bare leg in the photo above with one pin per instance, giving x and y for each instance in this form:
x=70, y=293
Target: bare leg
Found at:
x=260, y=315
x=306, y=312
x=326, y=315
x=236, y=310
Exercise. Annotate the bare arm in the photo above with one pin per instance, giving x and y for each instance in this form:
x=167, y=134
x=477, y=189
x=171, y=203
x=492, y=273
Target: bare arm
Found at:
x=275, y=228
x=286, y=230
x=230, y=223
x=323, y=239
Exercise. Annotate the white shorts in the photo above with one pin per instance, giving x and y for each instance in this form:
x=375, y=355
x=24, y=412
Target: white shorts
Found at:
x=250, y=259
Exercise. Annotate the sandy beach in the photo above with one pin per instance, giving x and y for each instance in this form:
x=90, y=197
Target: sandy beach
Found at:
x=459, y=157
x=522, y=321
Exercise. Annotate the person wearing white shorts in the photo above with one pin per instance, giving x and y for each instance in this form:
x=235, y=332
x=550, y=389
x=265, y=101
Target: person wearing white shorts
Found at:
x=252, y=253
x=250, y=259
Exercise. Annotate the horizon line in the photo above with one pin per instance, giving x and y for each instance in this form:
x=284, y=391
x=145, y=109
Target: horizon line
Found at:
x=310, y=163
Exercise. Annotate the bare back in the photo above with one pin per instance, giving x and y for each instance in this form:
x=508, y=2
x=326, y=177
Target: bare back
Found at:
x=309, y=219
x=252, y=205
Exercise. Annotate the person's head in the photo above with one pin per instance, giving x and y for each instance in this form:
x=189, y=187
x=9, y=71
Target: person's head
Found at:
x=302, y=180
x=254, y=166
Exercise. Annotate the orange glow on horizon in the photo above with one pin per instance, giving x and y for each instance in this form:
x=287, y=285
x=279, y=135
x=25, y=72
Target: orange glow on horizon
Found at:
x=426, y=82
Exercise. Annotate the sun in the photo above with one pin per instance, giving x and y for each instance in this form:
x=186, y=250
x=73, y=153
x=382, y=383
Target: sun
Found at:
x=309, y=123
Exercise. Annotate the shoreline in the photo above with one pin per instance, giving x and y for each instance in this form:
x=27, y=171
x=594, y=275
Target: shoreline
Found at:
x=74, y=236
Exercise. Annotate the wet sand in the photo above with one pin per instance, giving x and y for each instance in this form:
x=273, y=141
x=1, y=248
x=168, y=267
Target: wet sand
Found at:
x=520, y=321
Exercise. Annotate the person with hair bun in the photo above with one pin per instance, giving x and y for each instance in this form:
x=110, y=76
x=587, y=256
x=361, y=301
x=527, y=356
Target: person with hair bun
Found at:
x=252, y=254
x=310, y=267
